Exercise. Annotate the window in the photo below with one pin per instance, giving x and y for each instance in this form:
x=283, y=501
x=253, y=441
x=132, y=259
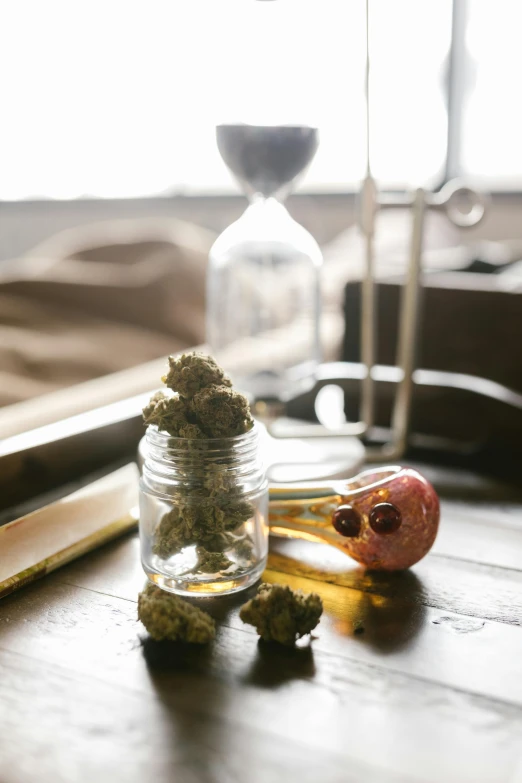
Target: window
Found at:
x=491, y=147
x=120, y=98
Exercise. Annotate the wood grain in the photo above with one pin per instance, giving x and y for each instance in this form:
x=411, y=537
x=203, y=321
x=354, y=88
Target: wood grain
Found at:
x=78, y=649
x=99, y=732
x=412, y=677
x=477, y=590
x=400, y=634
x=461, y=587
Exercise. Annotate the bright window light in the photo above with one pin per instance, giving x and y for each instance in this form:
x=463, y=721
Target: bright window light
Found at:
x=119, y=98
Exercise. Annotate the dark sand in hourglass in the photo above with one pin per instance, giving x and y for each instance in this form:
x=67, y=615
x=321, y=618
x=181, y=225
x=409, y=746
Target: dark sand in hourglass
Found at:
x=265, y=158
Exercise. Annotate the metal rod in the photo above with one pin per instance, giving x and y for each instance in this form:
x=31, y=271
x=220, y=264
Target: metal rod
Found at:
x=367, y=89
x=408, y=330
x=455, y=87
x=368, y=303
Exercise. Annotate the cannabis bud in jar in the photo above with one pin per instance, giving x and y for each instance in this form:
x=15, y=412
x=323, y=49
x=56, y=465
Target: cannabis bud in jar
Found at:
x=282, y=615
x=170, y=617
x=204, y=494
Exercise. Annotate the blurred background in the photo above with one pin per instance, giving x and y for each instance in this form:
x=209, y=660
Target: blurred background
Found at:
x=112, y=189
x=119, y=100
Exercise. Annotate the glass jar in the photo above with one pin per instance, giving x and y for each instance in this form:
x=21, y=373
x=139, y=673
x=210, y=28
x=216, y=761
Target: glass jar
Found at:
x=203, y=512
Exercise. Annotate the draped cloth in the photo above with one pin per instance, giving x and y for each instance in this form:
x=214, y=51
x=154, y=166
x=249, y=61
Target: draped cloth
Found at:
x=102, y=298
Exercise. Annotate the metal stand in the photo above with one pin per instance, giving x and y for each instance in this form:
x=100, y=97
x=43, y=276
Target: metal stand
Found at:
x=450, y=200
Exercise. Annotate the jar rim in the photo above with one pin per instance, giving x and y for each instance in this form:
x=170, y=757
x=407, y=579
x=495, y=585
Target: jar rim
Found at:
x=160, y=438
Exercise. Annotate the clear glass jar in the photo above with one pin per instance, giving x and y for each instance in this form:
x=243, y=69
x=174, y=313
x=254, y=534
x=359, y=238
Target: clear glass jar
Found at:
x=203, y=512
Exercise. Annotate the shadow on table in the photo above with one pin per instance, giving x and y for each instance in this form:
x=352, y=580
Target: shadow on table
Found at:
x=388, y=614
x=275, y=665
x=175, y=657
x=201, y=696
x=216, y=726
x=222, y=607
x=190, y=701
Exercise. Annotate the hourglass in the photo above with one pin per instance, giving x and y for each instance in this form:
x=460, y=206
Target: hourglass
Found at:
x=263, y=296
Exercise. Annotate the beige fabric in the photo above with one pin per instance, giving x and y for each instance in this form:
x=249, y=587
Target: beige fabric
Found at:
x=97, y=300
x=102, y=298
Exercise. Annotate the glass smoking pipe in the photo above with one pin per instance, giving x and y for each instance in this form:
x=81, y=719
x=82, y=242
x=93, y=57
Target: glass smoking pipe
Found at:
x=385, y=518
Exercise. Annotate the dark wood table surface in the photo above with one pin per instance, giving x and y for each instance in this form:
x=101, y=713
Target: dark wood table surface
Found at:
x=411, y=677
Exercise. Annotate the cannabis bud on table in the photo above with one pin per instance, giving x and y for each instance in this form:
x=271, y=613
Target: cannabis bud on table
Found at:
x=166, y=616
x=211, y=473
x=282, y=615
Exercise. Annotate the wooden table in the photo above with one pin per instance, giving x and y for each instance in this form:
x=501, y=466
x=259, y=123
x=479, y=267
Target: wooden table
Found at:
x=412, y=677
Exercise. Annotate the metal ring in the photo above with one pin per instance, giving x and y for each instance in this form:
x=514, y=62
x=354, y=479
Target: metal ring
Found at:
x=446, y=199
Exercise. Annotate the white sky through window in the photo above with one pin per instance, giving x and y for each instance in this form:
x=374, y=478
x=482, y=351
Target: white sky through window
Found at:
x=119, y=98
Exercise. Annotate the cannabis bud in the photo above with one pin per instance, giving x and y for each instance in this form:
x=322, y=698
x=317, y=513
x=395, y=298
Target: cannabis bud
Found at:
x=148, y=410
x=167, y=413
x=280, y=614
x=203, y=404
x=166, y=616
x=193, y=371
x=221, y=412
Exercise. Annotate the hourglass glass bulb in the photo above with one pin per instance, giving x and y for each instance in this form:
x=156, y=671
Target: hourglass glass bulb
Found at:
x=266, y=159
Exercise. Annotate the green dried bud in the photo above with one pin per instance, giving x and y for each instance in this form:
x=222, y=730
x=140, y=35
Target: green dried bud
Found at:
x=236, y=512
x=149, y=408
x=211, y=562
x=222, y=412
x=282, y=615
x=191, y=432
x=244, y=549
x=200, y=522
x=193, y=371
x=169, y=536
x=166, y=616
x=168, y=414
x=220, y=542
x=219, y=482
